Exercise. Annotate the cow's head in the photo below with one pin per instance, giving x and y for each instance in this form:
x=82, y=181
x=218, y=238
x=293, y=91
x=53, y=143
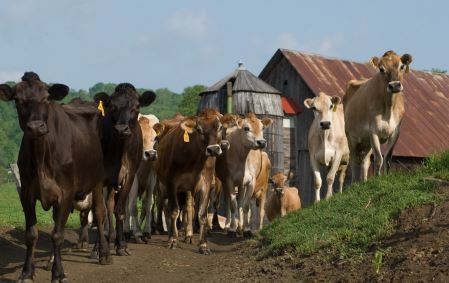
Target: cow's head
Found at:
x=323, y=107
x=208, y=126
x=392, y=68
x=278, y=182
x=32, y=98
x=122, y=107
x=252, y=130
x=149, y=136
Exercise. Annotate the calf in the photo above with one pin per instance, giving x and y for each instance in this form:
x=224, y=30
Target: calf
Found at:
x=283, y=199
x=244, y=135
x=327, y=141
x=122, y=153
x=60, y=159
x=144, y=183
x=374, y=110
x=182, y=153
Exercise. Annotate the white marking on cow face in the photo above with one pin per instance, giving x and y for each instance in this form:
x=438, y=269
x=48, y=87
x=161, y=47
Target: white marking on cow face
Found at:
x=149, y=135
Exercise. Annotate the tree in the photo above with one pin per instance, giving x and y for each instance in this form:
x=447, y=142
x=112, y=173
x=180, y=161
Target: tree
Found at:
x=438, y=71
x=190, y=100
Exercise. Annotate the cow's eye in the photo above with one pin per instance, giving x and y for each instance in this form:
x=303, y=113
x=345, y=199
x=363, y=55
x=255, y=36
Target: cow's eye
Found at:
x=220, y=128
x=313, y=108
x=382, y=70
x=246, y=128
x=402, y=67
x=331, y=106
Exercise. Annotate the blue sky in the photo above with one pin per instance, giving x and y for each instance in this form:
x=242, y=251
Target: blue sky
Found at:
x=174, y=44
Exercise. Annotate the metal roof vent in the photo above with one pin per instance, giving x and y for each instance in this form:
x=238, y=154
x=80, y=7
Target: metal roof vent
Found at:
x=241, y=65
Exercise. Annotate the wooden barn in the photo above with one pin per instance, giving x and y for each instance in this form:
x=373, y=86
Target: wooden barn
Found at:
x=250, y=94
x=425, y=128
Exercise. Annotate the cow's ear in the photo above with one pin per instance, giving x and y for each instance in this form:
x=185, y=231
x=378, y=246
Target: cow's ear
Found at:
x=291, y=175
x=58, y=91
x=147, y=98
x=228, y=121
x=158, y=128
x=406, y=59
x=308, y=103
x=6, y=92
x=267, y=121
x=375, y=61
x=239, y=122
x=188, y=125
x=335, y=100
x=101, y=96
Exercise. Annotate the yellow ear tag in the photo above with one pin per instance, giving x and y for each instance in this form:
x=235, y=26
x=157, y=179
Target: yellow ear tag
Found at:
x=100, y=107
x=334, y=108
x=186, y=136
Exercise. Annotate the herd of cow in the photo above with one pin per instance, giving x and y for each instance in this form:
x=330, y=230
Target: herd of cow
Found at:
x=103, y=155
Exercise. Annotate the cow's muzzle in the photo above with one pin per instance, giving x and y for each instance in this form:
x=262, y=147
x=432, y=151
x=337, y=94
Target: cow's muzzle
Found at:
x=37, y=128
x=150, y=155
x=261, y=144
x=325, y=125
x=225, y=145
x=395, y=86
x=123, y=130
x=213, y=150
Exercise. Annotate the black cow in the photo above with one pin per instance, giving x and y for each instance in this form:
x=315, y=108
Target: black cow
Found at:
x=60, y=158
x=122, y=153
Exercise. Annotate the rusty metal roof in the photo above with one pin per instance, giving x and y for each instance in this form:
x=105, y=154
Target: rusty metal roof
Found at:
x=425, y=128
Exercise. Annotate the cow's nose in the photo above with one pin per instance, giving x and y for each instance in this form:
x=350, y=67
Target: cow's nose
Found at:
x=261, y=143
x=213, y=150
x=122, y=129
x=37, y=127
x=225, y=145
x=395, y=86
x=150, y=154
x=325, y=125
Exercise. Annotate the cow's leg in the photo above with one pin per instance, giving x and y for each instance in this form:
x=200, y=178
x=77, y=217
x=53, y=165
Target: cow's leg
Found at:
x=246, y=207
x=341, y=178
x=83, y=241
x=31, y=235
x=60, y=214
x=240, y=201
x=119, y=212
x=354, y=161
x=317, y=178
x=365, y=164
x=110, y=203
x=131, y=217
x=147, y=207
x=202, y=215
x=188, y=221
x=216, y=205
x=100, y=217
x=228, y=189
x=262, y=202
x=390, y=147
x=331, y=175
x=173, y=210
x=375, y=145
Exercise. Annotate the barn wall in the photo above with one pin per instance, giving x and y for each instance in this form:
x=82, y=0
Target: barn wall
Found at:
x=289, y=150
x=212, y=100
x=284, y=78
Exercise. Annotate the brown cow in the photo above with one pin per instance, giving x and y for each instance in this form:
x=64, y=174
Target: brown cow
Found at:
x=283, y=199
x=244, y=136
x=374, y=110
x=327, y=141
x=60, y=159
x=182, y=155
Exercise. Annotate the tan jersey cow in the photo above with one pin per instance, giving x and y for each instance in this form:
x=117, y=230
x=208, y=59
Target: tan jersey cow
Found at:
x=327, y=141
x=144, y=182
x=374, y=110
x=283, y=199
x=244, y=136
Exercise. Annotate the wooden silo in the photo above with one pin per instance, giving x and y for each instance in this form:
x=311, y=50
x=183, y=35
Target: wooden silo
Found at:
x=251, y=94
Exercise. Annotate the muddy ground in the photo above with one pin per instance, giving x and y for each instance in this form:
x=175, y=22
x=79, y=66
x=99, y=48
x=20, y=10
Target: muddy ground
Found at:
x=417, y=252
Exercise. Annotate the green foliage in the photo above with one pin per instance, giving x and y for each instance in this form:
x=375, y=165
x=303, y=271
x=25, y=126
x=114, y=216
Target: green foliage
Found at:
x=190, y=100
x=350, y=222
x=438, y=71
x=11, y=214
x=378, y=261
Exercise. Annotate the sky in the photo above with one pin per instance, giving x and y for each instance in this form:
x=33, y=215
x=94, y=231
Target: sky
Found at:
x=175, y=44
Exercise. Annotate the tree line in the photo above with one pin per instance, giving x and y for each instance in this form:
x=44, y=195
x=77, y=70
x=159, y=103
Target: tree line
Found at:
x=167, y=104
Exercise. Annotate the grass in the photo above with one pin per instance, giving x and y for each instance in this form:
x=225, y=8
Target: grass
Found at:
x=350, y=222
x=11, y=214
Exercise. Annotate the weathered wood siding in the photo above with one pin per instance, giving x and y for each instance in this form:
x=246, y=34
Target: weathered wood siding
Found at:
x=289, y=150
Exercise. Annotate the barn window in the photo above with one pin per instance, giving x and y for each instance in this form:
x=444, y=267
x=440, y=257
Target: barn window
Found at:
x=288, y=122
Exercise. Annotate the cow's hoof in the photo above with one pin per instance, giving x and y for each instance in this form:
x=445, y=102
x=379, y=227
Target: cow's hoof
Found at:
x=25, y=280
x=106, y=260
x=63, y=280
x=205, y=251
x=139, y=240
x=80, y=246
x=146, y=237
x=248, y=234
x=217, y=228
x=172, y=244
x=93, y=254
x=123, y=252
x=232, y=234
